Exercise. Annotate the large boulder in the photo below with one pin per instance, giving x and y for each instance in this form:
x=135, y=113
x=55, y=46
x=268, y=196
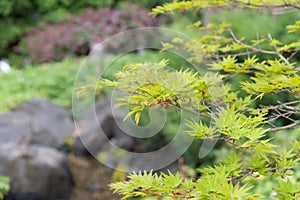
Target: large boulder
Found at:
x=96, y=126
x=36, y=172
x=37, y=121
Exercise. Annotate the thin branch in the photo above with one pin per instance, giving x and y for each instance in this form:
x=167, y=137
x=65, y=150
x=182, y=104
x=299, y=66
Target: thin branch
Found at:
x=277, y=52
x=293, y=125
x=250, y=47
x=284, y=110
x=293, y=54
x=286, y=115
x=282, y=105
x=238, y=54
x=285, y=5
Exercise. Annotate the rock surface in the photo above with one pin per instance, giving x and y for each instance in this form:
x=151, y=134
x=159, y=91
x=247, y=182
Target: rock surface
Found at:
x=101, y=134
x=36, y=172
x=96, y=127
x=30, y=137
x=37, y=121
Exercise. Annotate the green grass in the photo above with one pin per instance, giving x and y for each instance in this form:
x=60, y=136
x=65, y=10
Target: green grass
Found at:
x=55, y=81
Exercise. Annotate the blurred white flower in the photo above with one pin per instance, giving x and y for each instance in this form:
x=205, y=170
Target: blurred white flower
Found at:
x=4, y=66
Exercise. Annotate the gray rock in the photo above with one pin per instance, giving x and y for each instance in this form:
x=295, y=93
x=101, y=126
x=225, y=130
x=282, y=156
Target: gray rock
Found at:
x=160, y=161
x=50, y=124
x=17, y=133
x=36, y=172
x=37, y=121
x=97, y=127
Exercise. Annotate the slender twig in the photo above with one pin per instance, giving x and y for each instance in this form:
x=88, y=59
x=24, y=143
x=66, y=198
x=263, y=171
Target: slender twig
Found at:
x=285, y=5
x=286, y=116
x=293, y=125
x=277, y=52
x=282, y=105
x=278, y=116
x=238, y=54
x=284, y=110
x=293, y=54
x=250, y=47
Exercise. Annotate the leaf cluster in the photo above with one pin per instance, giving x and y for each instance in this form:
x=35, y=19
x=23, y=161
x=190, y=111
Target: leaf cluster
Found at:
x=225, y=115
x=227, y=180
x=4, y=186
x=196, y=5
x=219, y=48
x=212, y=185
x=156, y=84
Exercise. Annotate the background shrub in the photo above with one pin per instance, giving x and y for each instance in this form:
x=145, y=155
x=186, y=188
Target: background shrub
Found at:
x=53, y=81
x=76, y=35
x=17, y=16
x=4, y=186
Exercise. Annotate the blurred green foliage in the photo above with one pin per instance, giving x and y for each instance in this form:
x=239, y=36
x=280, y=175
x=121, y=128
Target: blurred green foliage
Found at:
x=53, y=81
x=283, y=138
x=16, y=8
x=17, y=16
x=4, y=186
x=25, y=8
x=254, y=24
x=280, y=176
x=151, y=56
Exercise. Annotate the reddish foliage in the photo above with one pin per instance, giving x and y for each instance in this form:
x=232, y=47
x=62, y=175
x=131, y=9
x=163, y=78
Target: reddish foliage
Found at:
x=74, y=36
